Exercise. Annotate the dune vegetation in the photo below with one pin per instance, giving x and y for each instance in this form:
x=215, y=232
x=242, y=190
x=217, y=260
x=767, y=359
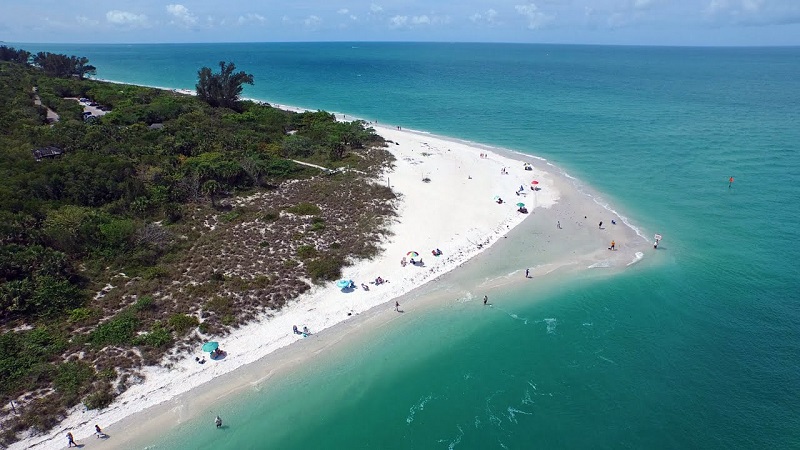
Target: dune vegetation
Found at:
x=157, y=225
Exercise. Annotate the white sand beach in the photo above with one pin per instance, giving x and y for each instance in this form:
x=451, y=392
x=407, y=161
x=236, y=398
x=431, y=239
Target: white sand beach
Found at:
x=455, y=211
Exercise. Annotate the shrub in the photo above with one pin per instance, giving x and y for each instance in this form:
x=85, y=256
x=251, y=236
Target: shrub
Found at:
x=144, y=303
x=263, y=244
x=108, y=374
x=217, y=276
x=220, y=305
x=99, y=399
x=306, y=251
x=157, y=337
x=317, y=223
x=230, y=216
x=305, y=209
x=152, y=273
x=182, y=323
x=81, y=314
x=72, y=377
x=120, y=330
x=271, y=216
x=326, y=268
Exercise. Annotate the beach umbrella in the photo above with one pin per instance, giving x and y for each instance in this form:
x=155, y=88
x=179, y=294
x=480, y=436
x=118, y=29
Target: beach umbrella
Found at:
x=534, y=182
x=658, y=237
x=343, y=283
x=496, y=198
x=521, y=205
x=412, y=254
x=210, y=346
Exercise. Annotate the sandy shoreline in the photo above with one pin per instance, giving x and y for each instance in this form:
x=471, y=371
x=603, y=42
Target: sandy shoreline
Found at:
x=454, y=212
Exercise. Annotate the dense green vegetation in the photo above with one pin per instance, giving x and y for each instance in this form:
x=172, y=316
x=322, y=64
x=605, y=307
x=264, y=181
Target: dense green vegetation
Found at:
x=125, y=198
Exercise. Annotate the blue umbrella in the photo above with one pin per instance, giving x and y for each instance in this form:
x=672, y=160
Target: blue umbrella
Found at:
x=343, y=283
x=210, y=346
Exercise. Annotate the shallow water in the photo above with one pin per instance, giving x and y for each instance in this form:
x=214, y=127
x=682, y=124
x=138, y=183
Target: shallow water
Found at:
x=698, y=348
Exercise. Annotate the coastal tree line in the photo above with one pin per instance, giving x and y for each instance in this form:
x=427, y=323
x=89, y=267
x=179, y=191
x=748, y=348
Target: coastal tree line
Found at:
x=117, y=200
x=52, y=64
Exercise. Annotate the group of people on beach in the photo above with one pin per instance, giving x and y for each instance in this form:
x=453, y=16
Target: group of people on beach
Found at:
x=414, y=262
x=305, y=331
x=98, y=433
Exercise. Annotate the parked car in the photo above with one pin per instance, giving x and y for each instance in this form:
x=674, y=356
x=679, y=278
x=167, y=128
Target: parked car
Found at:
x=93, y=104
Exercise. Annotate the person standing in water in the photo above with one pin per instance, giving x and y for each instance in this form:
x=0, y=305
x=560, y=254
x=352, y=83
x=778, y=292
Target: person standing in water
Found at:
x=485, y=299
x=527, y=273
x=218, y=422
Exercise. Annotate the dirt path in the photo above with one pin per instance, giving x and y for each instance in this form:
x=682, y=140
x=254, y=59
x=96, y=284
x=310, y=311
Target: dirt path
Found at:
x=51, y=115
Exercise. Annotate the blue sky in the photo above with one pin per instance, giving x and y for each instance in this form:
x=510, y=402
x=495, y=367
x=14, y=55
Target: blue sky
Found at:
x=647, y=22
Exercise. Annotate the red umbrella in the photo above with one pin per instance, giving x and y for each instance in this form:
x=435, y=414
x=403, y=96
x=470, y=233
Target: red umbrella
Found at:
x=534, y=182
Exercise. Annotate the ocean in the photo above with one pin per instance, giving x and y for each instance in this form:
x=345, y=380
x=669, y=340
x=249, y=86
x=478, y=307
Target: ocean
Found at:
x=698, y=348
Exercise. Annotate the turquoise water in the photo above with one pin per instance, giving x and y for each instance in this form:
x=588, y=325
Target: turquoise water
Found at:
x=701, y=350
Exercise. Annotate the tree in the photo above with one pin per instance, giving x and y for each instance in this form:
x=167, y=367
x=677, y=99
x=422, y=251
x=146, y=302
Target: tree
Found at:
x=63, y=66
x=223, y=88
x=211, y=188
x=81, y=67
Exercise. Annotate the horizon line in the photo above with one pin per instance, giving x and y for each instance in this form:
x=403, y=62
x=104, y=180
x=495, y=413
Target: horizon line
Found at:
x=411, y=42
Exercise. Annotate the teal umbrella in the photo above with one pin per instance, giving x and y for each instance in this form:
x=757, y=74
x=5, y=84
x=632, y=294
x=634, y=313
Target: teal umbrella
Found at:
x=210, y=346
x=521, y=205
x=343, y=283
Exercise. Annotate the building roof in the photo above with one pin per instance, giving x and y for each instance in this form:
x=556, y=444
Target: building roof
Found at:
x=47, y=152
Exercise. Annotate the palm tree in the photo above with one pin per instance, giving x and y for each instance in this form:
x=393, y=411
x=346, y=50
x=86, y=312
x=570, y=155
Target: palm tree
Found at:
x=211, y=188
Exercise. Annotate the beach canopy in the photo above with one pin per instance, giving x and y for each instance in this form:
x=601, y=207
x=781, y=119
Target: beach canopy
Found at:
x=343, y=283
x=521, y=205
x=412, y=254
x=210, y=346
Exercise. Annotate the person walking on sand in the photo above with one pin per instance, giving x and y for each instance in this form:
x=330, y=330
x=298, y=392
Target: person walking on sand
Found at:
x=70, y=440
x=601, y=225
x=558, y=225
x=527, y=273
x=613, y=245
x=397, y=306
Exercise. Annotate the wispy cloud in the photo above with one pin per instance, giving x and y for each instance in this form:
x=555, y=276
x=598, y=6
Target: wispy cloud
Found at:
x=488, y=17
x=181, y=15
x=312, y=22
x=251, y=18
x=86, y=22
x=536, y=18
x=126, y=18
